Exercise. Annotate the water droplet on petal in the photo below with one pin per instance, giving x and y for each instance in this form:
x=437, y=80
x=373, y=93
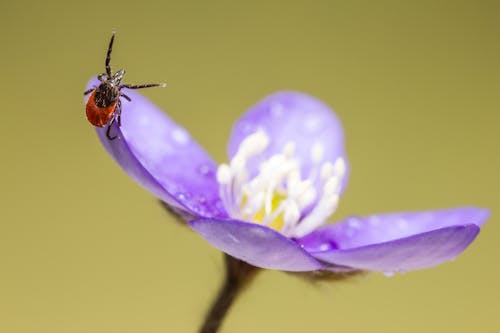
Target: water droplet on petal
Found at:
x=183, y=196
x=354, y=224
x=402, y=224
x=180, y=136
x=277, y=110
x=389, y=274
x=312, y=124
x=205, y=170
x=246, y=127
x=220, y=206
x=324, y=247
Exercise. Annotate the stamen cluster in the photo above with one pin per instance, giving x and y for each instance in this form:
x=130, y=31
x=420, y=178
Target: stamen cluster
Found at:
x=277, y=196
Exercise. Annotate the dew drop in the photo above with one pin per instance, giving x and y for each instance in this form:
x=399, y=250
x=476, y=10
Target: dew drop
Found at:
x=246, y=127
x=354, y=224
x=183, y=196
x=205, y=170
x=220, y=206
x=277, y=110
x=389, y=274
x=324, y=247
x=402, y=224
x=258, y=232
x=180, y=136
x=312, y=124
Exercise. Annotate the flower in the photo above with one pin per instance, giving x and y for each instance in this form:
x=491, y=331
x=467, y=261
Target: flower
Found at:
x=268, y=205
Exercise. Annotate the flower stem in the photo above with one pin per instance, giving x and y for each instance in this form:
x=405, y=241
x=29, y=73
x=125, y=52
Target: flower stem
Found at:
x=238, y=275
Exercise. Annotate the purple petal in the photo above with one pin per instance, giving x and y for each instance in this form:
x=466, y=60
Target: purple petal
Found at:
x=359, y=231
x=255, y=244
x=397, y=241
x=293, y=117
x=415, y=252
x=162, y=157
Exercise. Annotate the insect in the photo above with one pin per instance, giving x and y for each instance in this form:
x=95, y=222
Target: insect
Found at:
x=104, y=105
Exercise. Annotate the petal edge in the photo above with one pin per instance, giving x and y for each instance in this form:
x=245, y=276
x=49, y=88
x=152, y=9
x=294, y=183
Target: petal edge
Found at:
x=410, y=253
x=255, y=244
x=356, y=231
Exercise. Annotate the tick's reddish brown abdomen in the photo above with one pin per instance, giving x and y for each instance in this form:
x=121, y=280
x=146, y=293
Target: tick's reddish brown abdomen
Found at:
x=97, y=116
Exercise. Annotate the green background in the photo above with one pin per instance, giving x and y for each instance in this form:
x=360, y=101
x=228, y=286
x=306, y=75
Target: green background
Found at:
x=85, y=249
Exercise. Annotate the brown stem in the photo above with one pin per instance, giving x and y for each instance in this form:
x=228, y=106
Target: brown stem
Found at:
x=238, y=275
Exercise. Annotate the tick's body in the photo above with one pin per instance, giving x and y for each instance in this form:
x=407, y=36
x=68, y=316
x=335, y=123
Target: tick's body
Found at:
x=104, y=105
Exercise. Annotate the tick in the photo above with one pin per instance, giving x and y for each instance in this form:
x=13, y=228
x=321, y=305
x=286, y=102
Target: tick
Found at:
x=104, y=105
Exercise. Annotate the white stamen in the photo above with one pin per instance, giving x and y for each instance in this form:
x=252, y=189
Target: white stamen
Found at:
x=332, y=186
x=307, y=198
x=317, y=152
x=339, y=167
x=223, y=174
x=326, y=170
x=289, y=150
x=328, y=201
x=253, y=144
x=291, y=214
x=278, y=190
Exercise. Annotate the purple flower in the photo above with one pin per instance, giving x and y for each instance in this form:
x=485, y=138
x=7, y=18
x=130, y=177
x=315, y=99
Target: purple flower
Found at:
x=287, y=170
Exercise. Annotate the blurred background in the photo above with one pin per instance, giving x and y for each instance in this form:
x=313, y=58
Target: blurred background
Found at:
x=85, y=249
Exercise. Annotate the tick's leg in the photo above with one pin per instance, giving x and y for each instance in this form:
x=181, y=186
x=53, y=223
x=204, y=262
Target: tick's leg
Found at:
x=141, y=86
x=108, y=130
x=86, y=92
x=108, y=55
x=118, y=113
x=126, y=97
